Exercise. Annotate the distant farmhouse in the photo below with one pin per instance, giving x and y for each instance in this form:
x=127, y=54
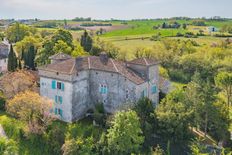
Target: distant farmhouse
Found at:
x=78, y=84
x=4, y=51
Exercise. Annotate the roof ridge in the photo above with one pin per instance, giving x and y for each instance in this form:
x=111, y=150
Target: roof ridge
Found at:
x=114, y=65
x=145, y=61
x=74, y=65
x=89, y=62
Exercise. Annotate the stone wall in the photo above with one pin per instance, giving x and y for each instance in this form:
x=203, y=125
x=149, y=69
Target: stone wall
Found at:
x=47, y=91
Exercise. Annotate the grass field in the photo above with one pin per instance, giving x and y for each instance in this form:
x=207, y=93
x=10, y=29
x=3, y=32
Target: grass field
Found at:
x=146, y=27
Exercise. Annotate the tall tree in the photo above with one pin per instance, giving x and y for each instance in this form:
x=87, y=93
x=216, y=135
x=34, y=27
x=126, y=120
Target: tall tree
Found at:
x=224, y=81
x=29, y=58
x=12, y=60
x=125, y=135
x=86, y=42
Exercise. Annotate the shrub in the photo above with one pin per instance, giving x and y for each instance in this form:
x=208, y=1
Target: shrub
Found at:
x=99, y=115
x=8, y=147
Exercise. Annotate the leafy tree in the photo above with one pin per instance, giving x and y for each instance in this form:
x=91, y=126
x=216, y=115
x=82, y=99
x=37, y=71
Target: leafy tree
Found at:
x=78, y=50
x=144, y=110
x=78, y=146
x=125, y=135
x=86, y=42
x=62, y=46
x=16, y=82
x=25, y=44
x=173, y=117
x=32, y=109
x=12, y=60
x=224, y=81
x=64, y=36
x=184, y=26
x=43, y=54
x=18, y=31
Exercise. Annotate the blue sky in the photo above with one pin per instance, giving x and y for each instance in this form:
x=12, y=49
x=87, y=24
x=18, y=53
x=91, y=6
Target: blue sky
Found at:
x=120, y=9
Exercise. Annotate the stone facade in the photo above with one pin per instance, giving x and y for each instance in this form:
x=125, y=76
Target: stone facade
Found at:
x=82, y=83
x=4, y=51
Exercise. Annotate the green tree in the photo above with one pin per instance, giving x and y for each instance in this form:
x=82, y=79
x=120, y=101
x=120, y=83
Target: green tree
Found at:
x=12, y=60
x=64, y=36
x=62, y=46
x=125, y=135
x=43, y=54
x=18, y=31
x=86, y=42
x=145, y=111
x=29, y=58
x=173, y=117
x=184, y=26
x=224, y=81
x=79, y=146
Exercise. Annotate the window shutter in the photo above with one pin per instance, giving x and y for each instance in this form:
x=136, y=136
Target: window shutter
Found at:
x=61, y=100
x=56, y=100
x=154, y=89
x=53, y=84
x=61, y=112
x=56, y=111
x=62, y=86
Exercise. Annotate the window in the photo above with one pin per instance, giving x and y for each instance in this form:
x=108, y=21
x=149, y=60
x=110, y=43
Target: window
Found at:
x=127, y=93
x=59, y=111
x=103, y=89
x=58, y=99
x=153, y=89
x=57, y=85
x=144, y=93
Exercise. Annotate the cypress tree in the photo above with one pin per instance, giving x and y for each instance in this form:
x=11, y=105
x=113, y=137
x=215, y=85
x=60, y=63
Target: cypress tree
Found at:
x=12, y=60
x=30, y=59
x=86, y=42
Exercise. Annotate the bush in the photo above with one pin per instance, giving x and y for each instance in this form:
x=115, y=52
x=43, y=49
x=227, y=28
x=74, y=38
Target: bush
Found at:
x=12, y=127
x=99, y=115
x=55, y=138
x=8, y=147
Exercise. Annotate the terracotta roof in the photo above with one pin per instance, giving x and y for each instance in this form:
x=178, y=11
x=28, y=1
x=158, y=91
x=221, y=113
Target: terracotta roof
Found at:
x=144, y=61
x=73, y=65
x=60, y=56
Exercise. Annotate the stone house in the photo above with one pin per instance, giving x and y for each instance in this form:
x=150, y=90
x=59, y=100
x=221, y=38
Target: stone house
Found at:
x=4, y=51
x=77, y=84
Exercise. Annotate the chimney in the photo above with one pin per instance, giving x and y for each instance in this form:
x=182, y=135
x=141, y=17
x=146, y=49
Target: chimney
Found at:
x=104, y=58
x=79, y=63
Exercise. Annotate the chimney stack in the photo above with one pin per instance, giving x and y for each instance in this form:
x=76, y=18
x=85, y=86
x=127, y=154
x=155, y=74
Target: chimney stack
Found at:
x=104, y=58
x=79, y=63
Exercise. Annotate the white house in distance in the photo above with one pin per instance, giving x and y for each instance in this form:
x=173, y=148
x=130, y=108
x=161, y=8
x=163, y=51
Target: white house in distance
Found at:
x=4, y=51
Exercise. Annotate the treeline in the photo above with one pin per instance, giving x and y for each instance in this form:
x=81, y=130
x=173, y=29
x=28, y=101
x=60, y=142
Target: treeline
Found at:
x=79, y=19
x=95, y=24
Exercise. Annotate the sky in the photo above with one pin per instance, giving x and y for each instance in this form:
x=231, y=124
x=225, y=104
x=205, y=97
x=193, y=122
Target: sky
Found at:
x=117, y=9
